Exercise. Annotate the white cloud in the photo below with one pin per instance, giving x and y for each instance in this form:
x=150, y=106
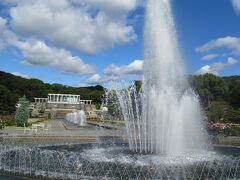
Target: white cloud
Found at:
x=236, y=6
x=21, y=75
x=115, y=73
x=97, y=79
x=37, y=53
x=231, y=43
x=2, y=32
x=215, y=68
x=112, y=6
x=136, y=67
x=210, y=57
x=88, y=26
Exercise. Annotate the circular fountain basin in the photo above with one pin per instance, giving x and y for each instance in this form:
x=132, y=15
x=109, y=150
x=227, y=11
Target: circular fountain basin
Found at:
x=115, y=160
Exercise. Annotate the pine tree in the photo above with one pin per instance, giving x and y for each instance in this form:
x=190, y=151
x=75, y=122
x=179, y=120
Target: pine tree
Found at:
x=22, y=113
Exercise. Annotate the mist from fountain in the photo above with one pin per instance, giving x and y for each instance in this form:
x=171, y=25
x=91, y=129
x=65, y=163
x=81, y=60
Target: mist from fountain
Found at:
x=77, y=118
x=165, y=117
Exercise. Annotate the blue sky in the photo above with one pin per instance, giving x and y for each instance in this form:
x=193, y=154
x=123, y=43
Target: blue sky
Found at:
x=87, y=42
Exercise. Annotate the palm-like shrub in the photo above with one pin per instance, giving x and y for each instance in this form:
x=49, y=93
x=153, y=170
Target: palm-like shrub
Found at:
x=22, y=113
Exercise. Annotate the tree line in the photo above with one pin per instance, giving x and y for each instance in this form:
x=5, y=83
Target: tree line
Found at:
x=219, y=96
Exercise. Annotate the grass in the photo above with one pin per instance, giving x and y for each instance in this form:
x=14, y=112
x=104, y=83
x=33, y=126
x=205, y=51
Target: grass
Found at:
x=36, y=120
x=30, y=122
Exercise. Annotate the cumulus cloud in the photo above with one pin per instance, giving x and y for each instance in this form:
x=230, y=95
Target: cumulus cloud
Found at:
x=95, y=79
x=136, y=67
x=98, y=79
x=115, y=73
x=215, y=68
x=210, y=57
x=47, y=32
x=111, y=6
x=88, y=26
x=2, y=32
x=21, y=75
x=236, y=6
x=231, y=43
x=37, y=53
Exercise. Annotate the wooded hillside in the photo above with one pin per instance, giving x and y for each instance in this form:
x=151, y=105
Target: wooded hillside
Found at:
x=219, y=96
x=12, y=87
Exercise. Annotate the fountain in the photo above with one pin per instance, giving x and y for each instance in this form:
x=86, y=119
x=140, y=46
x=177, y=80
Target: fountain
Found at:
x=166, y=117
x=165, y=131
x=77, y=118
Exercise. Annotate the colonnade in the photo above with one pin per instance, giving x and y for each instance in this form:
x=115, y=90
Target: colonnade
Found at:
x=64, y=98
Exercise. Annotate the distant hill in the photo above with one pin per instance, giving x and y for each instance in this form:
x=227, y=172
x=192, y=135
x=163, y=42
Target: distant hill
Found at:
x=12, y=87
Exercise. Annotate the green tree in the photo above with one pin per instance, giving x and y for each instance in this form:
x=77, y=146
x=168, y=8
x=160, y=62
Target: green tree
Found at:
x=218, y=111
x=234, y=96
x=22, y=113
x=233, y=116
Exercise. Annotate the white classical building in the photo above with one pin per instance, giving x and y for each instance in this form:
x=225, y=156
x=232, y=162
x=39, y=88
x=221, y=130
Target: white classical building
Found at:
x=66, y=99
x=62, y=99
x=58, y=105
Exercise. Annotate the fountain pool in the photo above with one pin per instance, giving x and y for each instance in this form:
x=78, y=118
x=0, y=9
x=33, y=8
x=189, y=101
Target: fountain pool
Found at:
x=115, y=161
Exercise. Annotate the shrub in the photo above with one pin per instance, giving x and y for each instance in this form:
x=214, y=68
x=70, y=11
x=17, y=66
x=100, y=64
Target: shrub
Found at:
x=8, y=120
x=22, y=112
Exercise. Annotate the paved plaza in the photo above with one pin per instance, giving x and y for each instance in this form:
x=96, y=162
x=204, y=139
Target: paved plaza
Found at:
x=59, y=129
